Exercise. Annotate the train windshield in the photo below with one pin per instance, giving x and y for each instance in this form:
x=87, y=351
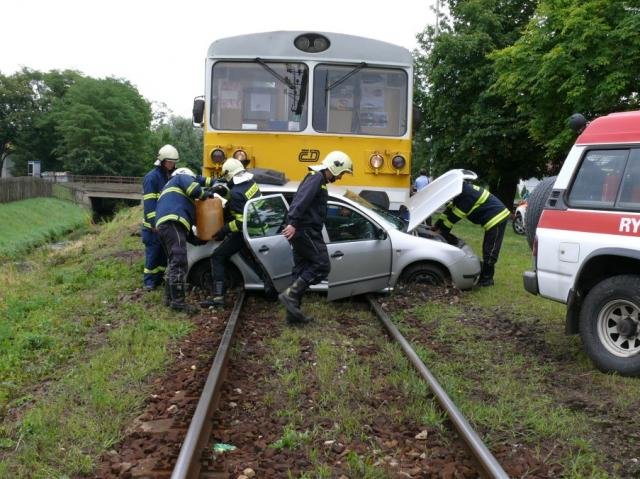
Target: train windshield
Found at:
x=360, y=100
x=258, y=95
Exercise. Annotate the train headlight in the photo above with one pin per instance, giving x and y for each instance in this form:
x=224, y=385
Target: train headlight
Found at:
x=376, y=161
x=218, y=156
x=241, y=156
x=398, y=162
x=311, y=42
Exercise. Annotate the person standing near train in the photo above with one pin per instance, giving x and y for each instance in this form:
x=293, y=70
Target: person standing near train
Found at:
x=305, y=221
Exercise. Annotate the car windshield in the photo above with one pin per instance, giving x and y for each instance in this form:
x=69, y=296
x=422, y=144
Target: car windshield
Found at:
x=391, y=219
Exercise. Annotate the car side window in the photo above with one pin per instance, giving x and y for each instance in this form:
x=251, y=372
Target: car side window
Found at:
x=630, y=189
x=266, y=217
x=598, y=180
x=345, y=224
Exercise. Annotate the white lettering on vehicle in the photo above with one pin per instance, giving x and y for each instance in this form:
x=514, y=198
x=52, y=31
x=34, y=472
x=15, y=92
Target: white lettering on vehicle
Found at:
x=629, y=225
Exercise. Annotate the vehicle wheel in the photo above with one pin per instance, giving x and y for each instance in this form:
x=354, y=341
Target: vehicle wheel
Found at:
x=424, y=273
x=518, y=224
x=610, y=325
x=202, y=277
x=535, y=205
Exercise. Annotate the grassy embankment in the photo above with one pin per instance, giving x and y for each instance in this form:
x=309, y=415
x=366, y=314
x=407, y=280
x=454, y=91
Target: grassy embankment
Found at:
x=77, y=345
x=28, y=223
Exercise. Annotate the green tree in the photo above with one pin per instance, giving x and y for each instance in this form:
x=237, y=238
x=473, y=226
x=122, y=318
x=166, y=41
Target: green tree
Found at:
x=575, y=56
x=37, y=138
x=467, y=124
x=103, y=128
x=16, y=111
x=180, y=132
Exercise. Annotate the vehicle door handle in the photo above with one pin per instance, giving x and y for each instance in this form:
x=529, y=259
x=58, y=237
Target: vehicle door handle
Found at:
x=337, y=254
x=263, y=249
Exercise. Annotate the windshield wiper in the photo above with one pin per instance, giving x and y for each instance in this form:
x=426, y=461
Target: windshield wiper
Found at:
x=284, y=80
x=346, y=76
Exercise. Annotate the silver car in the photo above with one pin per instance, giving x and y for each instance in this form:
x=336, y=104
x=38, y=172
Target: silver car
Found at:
x=371, y=250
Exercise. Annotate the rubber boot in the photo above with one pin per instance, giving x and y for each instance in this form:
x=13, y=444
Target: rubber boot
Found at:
x=178, y=302
x=291, y=298
x=297, y=320
x=218, y=296
x=486, y=275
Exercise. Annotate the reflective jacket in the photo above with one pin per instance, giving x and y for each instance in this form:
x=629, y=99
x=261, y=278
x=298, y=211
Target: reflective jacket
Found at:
x=309, y=206
x=177, y=199
x=475, y=204
x=239, y=194
x=152, y=185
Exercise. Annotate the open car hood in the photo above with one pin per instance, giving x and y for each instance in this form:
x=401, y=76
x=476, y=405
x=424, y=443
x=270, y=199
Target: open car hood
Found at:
x=441, y=190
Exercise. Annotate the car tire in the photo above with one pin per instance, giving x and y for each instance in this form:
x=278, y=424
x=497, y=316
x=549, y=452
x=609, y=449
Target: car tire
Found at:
x=202, y=277
x=610, y=325
x=535, y=204
x=424, y=273
x=518, y=224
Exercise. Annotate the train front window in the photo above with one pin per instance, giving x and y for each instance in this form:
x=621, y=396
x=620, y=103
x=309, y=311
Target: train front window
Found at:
x=360, y=100
x=258, y=95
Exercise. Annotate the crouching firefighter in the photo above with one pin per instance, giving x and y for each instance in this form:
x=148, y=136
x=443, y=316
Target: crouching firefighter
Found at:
x=175, y=214
x=240, y=189
x=482, y=208
x=305, y=220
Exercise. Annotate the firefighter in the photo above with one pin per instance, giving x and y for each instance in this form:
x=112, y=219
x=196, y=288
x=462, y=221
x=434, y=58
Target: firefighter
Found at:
x=155, y=260
x=482, y=208
x=175, y=216
x=304, y=231
x=241, y=188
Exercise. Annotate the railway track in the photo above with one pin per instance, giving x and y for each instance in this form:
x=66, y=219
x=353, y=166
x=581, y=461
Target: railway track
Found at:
x=189, y=463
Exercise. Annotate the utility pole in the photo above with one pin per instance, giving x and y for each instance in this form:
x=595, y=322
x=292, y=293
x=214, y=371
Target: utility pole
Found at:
x=437, y=17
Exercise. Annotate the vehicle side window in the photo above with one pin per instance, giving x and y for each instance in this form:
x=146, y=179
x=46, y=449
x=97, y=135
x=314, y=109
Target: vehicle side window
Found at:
x=266, y=217
x=630, y=190
x=597, y=182
x=345, y=224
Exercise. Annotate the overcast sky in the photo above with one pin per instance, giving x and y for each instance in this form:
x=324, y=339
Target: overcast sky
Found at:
x=160, y=46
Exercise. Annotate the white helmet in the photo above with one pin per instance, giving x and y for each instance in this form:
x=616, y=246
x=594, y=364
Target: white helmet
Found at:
x=183, y=171
x=338, y=162
x=167, y=152
x=231, y=168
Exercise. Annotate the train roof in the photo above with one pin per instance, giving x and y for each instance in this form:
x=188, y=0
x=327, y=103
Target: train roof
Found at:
x=279, y=45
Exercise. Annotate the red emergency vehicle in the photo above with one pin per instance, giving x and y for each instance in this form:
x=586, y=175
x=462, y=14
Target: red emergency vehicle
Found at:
x=586, y=251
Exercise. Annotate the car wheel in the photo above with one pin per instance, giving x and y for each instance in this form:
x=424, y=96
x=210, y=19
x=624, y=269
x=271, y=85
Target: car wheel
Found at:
x=610, y=325
x=535, y=205
x=424, y=273
x=518, y=224
x=202, y=277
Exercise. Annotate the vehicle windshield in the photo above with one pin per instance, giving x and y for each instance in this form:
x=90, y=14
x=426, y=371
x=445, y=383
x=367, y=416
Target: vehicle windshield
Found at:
x=360, y=100
x=259, y=95
x=391, y=219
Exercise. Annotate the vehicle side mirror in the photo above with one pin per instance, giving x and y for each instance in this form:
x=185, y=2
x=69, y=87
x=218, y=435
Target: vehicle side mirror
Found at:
x=198, y=110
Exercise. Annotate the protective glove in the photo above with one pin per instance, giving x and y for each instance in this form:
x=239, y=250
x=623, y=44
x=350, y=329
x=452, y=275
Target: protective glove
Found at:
x=221, y=189
x=221, y=234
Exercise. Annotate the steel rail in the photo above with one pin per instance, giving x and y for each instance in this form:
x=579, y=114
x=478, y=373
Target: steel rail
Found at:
x=188, y=463
x=487, y=461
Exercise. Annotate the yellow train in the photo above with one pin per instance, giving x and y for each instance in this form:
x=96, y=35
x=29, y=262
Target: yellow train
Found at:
x=283, y=100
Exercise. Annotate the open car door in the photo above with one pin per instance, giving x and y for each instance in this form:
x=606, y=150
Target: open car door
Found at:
x=264, y=219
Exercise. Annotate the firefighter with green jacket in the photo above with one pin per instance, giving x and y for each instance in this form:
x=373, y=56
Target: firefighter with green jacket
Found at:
x=482, y=208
